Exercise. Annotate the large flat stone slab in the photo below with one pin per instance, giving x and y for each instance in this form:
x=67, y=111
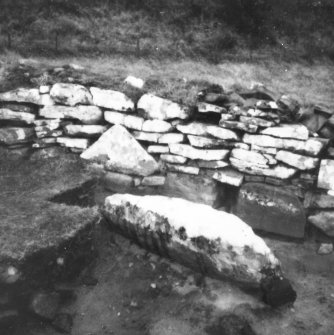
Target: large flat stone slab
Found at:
x=213, y=242
x=71, y=94
x=271, y=209
x=298, y=161
x=110, y=99
x=294, y=131
x=85, y=114
x=27, y=95
x=121, y=152
x=188, y=151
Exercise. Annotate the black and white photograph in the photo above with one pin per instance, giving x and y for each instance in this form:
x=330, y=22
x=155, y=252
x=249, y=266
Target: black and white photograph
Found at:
x=167, y=167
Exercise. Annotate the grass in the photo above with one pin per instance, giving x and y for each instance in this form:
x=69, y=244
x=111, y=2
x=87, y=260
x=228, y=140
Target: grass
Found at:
x=181, y=80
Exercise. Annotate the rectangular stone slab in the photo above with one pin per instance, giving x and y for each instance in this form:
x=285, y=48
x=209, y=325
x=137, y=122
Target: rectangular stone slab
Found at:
x=271, y=209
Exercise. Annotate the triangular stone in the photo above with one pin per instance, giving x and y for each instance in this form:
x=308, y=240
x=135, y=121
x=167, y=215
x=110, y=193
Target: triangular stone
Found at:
x=121, y=152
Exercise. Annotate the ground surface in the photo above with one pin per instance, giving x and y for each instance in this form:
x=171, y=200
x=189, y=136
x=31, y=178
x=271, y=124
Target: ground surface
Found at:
x=132, y=291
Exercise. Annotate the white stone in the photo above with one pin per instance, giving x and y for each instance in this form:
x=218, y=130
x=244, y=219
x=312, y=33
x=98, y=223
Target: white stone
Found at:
x=311, y=147
x=204, y=129
x=326, y=174
x=209, y=164
x=84, y=130
x=229, y=176
x=204, y=107
x=134, y=82
x=44, y=89
x=205, y=142
x=169, y=138
x=232, y=241
x=183, y=169
x=119, y=150
x=298, y=161
x=278, y=171
x=158, y=149
x=293, y=131
x=153, y=181
x=257, y=121
x=188, y=151
x=26, y=95
x=85, y=114
x=162, y=109
x=78, y=143
x=9, y=115
x=112, y=99
x=156, y=126
x=70, y=94
x=254, y=158
x=174, y=159
x=147, y=137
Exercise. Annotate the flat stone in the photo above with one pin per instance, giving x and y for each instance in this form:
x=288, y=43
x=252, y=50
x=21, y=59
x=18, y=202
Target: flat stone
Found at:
x=298, y=161
x=257, y=121
x=293, y=131
x=128, y=121
x=169, y=138
x=121, y=153
x=247, y=127
x=188, y=151
x=78, y=143
x=174, y=159
x=70, y=94
x=229, y=176
x=153, y=181
x=205, y=142
x=9, y=115
x=146, y=137
x=264, y=150
x=243, y=146
x=204, y=107
x=312, y=147
x=323, y=221
x=26, y=95
x=258, y=113
x=85, y=114
x=209, y=164
x=14, y=135
x=278, y=171
x=253, y=158
x=19, y=107
x=182, y=168
x=325, y=249
x=319, y=200
x=158, y=149
x=157, y=126
x=162, y=109
x=271, y=209
x=194, y=188
x=204, y=129
x=112, y=100
x=84, y=130
x=193, y=234
x=326, y=174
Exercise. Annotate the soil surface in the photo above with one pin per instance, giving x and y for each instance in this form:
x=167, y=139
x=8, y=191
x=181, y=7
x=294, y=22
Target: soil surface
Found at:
x=127, y=290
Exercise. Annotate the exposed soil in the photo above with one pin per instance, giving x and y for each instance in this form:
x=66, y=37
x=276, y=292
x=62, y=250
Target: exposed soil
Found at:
x=127, y=290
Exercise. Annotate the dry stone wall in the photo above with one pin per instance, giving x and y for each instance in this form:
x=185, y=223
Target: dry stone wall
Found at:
x=249, y=143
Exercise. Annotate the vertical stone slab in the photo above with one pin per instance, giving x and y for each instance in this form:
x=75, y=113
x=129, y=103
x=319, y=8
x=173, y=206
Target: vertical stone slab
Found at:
x=271, y=209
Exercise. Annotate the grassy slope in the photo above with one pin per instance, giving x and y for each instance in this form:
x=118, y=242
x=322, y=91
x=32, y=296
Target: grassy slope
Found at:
x=181, y=81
